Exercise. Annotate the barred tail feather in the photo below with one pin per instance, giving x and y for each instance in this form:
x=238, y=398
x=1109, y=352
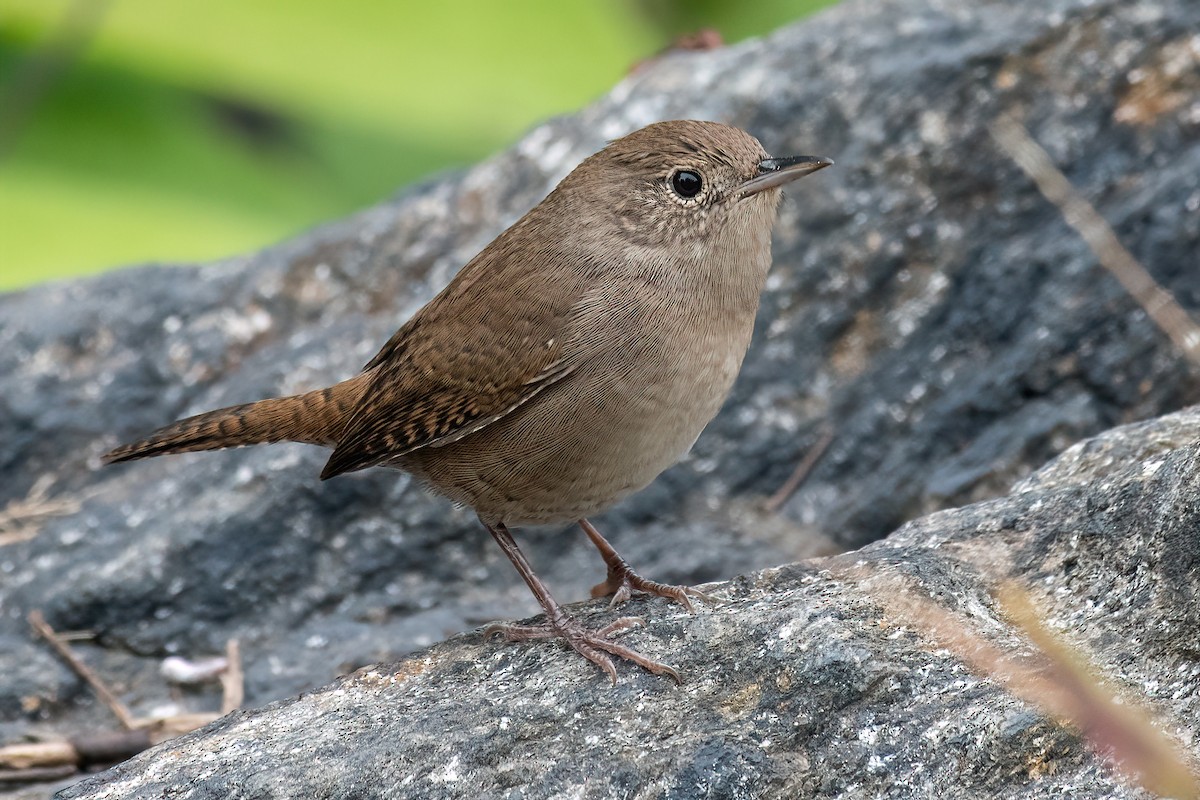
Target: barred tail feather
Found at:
x=315, y=417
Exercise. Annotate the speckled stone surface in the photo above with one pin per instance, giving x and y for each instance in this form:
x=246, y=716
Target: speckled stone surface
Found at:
x=926, y=304
x=808, y=681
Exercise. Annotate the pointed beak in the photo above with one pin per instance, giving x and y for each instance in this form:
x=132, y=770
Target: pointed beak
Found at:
x=778, y=171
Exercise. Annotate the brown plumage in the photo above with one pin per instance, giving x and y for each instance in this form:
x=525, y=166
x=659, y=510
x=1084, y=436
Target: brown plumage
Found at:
x=315, y=417
x=569, y=363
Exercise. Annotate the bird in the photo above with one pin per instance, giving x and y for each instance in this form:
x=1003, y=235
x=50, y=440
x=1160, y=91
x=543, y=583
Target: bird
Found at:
x=569, y=363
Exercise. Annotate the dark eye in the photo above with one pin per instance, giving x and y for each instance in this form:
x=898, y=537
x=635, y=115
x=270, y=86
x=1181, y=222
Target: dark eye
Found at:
x=686, y=183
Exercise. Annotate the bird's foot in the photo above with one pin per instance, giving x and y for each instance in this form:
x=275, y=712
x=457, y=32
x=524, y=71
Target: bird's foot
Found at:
x=595, y=645
x=622, y=582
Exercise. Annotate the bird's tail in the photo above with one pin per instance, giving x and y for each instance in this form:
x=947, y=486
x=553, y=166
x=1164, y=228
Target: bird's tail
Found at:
x=316, y=417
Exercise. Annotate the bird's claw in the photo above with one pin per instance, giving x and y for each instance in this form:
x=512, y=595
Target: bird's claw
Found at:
x=621, y=584
x=595, y=645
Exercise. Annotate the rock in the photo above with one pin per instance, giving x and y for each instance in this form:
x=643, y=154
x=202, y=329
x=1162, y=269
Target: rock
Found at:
x=807, y=682
x=927, y=306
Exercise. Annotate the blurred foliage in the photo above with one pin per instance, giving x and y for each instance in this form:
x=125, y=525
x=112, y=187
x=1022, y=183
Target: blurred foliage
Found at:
x=135, y=130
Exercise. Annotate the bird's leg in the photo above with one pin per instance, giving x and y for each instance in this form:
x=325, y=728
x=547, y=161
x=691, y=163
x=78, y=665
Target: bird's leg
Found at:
x=592, y=645
x=622, y=581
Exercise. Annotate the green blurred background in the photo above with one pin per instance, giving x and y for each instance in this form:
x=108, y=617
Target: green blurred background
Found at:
x=181, y=130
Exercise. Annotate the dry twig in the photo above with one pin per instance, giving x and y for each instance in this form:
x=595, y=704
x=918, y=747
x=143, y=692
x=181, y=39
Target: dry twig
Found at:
x=20, y=520
x=801, y=473
x=1158, y=303
x=1077, y=694
x=51, y=760
x=232, y=681
x=1055, y=679
x=119, y=710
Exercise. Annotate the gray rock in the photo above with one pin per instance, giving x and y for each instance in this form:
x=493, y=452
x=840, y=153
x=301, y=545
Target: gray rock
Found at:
x=927, y=304
x=809, y=681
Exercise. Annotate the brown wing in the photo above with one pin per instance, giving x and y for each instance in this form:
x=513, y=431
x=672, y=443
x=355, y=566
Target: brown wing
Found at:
x=494, y=338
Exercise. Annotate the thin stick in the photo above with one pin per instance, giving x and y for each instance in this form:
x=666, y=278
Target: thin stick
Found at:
x=800, y=474
x=232, y=683
x=1158, y=304
x=37, y=774
x=19, y=521
x=1119, y=727
x=1050, y=675
x=51, y=760
x=43, y=629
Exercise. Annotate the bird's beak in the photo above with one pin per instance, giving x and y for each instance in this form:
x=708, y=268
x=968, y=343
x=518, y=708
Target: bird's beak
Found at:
x=778, y=171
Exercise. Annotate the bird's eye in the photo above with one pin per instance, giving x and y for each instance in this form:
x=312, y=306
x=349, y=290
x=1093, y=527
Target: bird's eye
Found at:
x=686, y=183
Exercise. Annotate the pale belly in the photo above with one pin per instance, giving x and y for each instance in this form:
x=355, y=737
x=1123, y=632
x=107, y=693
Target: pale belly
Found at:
x=581, y=445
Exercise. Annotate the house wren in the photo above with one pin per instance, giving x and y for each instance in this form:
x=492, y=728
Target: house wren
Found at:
x=575, y=358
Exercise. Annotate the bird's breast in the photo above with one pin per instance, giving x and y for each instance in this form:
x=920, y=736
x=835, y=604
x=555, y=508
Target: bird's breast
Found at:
x=630, y=409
